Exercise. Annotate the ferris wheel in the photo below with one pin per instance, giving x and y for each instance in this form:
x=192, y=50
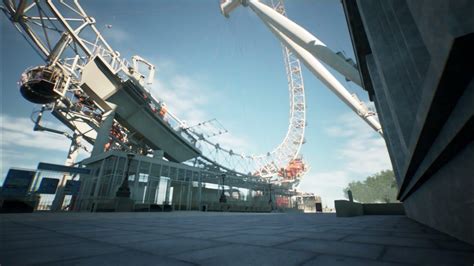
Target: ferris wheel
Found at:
x=284, y=164
x=84, y=81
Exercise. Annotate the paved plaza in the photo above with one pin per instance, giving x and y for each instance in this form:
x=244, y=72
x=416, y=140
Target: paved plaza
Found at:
x=197, y=238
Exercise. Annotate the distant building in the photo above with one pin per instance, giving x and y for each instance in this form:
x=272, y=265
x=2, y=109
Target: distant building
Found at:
x=307, y=202
x=416, y=60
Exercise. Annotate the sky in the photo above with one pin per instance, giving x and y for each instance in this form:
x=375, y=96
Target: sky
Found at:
x=209, y=66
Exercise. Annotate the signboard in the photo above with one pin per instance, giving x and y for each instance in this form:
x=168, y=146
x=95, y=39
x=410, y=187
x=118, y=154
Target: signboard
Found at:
x=48, y=186
x=17, y=182
x=72, y=187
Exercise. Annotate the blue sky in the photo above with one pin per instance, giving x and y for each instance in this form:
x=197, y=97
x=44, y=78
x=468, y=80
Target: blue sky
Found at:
x=212, y=67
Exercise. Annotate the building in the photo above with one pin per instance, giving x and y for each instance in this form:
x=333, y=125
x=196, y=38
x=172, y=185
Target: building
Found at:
x=416, y=60
x=308, y=202
x=157, y=183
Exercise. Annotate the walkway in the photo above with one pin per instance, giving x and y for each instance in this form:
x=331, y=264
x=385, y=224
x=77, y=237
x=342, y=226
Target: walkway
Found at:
x=190, y=238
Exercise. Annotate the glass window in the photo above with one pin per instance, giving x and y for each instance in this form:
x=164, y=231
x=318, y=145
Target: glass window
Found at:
x=165, y=171
x=133, y=167
x=155, y=170
x=143, y=177
x=181, y=174
x=173, y=172
x=189, y=174
x=109, y=165
x=120, y=171
x=144, y=168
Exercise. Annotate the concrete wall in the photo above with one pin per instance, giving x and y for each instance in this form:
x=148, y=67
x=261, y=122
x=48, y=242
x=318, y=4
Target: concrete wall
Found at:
x=346, y=208
x=383, y=209
x=449, y=204
x=418, y=60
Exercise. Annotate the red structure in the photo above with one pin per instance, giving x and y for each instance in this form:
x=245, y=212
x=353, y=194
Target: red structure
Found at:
x=294, y=169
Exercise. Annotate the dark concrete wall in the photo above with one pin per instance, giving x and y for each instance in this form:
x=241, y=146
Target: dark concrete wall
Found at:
x=346, y=208
x=445, y=201
x=419, y=69
x=383, y=209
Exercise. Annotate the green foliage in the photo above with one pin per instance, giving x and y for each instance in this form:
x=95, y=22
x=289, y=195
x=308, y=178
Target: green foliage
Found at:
x=381, y=187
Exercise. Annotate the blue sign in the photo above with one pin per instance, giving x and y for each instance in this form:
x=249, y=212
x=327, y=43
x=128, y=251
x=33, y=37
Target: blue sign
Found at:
x=48, y=186
x=18, y=182
x=72, y=187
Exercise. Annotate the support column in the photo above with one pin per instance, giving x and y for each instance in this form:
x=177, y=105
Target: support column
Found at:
x=167, y=195
x=149, y=186
x=200, y=190
x=189, y=194
x=103, y=132
x=71, y=158
x=97, y=185
x=318, y=69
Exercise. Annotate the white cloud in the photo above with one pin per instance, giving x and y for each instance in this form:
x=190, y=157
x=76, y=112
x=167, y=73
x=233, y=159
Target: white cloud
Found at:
x=362, y=153
x=328, y=185
x=190, y=99
x=237, y=144
x=17, y=133
x=365, y=151
x=185, y=96
x=337, y=131
x=115, y=34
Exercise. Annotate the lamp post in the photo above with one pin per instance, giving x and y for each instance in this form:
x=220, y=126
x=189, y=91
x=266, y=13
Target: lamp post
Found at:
x=124, y=189
x=349, y=195
x=223, y=198
x=270, y=201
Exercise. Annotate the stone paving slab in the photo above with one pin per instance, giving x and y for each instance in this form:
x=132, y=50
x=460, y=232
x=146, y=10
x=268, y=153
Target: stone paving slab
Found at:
x=51, y=242
x=240, y=254
x=428, y=256
x=316, y=235
x=258, y=240
x=361, y=231
x=129, y=238
x=99, y=233
x=435, y=236
x=170, y=246
x=453, y=245
x=166, y=230
x=197, y=238
x=206, y=234
x=343, y=261
x=391, y=240
x=336, y=248
x=126, y=258
x=46, y=254
x=261, y=231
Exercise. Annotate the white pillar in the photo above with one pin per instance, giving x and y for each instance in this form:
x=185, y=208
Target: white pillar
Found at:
x=305, y=39
x=328, y=79
x=71, y=159
x=103, y=132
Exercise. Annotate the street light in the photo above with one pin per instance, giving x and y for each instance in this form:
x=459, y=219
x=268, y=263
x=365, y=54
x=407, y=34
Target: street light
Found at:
x=270, y=201
x=223, y=198
x=124, y=189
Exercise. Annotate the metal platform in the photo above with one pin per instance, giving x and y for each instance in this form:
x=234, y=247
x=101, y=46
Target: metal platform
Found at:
x=132, y=111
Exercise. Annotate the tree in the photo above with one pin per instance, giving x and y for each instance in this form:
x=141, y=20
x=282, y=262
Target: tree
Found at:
x=380, y=187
